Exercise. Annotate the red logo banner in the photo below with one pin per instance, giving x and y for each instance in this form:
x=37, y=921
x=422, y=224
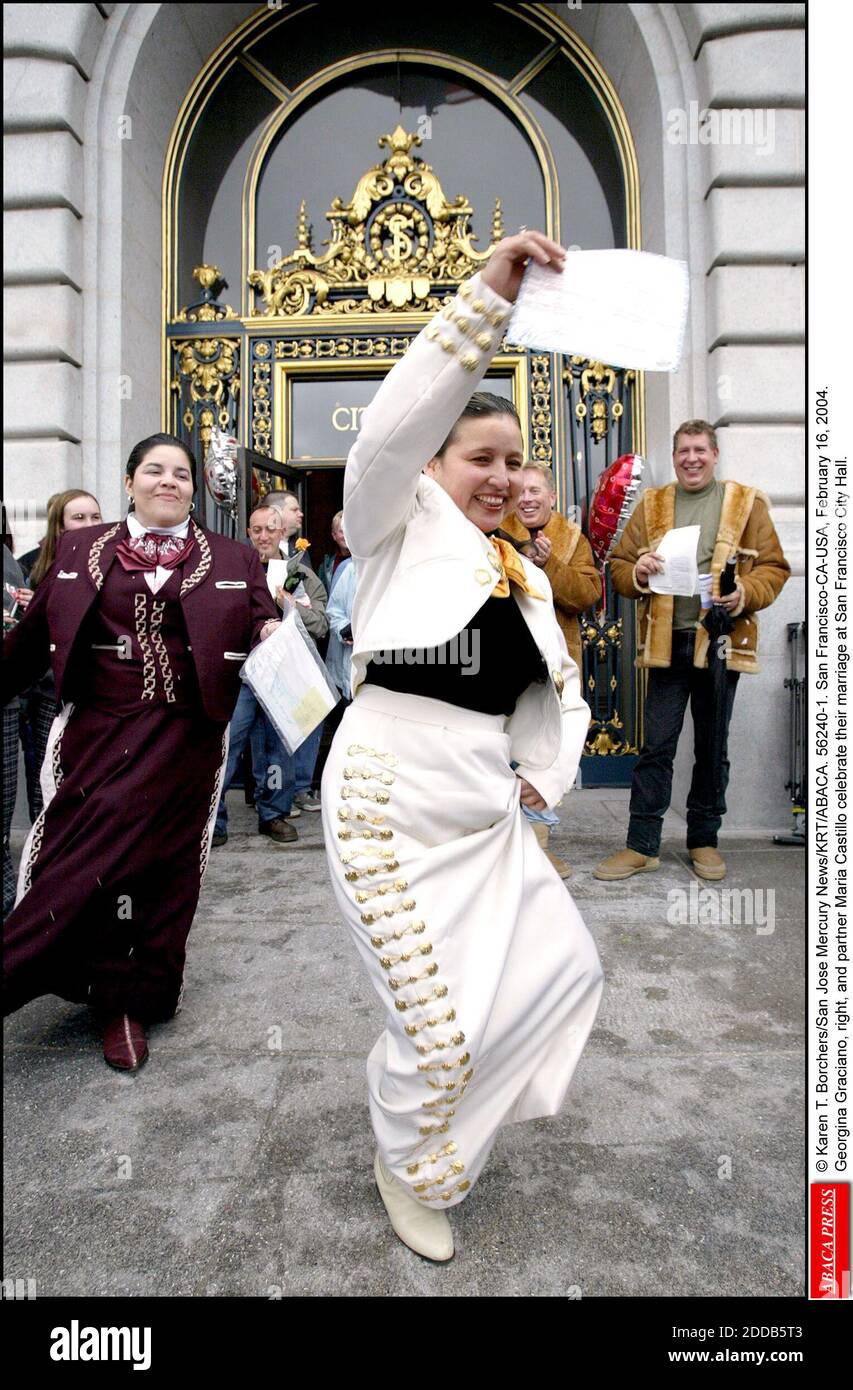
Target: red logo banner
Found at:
x=829, y=1245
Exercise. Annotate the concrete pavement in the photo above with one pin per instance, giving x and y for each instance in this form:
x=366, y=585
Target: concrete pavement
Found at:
x=238, y=1160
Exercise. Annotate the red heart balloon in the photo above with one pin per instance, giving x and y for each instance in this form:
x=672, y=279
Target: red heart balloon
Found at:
x=612, y=503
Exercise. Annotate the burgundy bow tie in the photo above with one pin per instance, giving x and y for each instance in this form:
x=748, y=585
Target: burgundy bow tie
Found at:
x=148, y=551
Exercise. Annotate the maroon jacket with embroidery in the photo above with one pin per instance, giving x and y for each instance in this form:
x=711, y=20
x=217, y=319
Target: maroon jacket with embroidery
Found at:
x=224, y=597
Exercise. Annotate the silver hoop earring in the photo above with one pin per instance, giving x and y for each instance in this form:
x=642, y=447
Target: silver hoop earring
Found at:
x=192, y=506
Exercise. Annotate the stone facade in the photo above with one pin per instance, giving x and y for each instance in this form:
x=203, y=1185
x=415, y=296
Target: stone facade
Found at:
x=92, y=93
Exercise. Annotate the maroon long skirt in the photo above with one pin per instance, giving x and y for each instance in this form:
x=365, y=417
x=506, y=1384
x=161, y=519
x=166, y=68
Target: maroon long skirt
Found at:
x=112, y=870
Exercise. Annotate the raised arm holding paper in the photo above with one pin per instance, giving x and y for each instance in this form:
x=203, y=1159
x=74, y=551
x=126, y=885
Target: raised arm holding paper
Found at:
x=436, y=873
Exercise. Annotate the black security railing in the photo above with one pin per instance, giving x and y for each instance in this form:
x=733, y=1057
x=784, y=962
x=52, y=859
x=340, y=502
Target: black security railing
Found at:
x=600, y=427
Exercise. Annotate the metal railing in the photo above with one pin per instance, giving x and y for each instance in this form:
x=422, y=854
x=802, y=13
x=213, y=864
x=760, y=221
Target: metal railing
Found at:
x=796, y=783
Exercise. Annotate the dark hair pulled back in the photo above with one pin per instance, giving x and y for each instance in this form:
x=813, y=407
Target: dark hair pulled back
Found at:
x=481, y=404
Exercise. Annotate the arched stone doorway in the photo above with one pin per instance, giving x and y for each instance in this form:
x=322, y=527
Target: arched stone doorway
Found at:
x=149, y=61
x=160, y=63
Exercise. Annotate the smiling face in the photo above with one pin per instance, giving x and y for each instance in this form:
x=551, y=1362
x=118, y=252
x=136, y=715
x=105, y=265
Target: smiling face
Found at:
x=265, y=532
x=694, y=461
x=482, y=469
x=80, y=511
x=537, y=500
x=161, y=487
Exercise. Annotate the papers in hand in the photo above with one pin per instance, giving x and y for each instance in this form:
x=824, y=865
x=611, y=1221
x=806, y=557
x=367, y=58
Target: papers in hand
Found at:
x=290, y=682
x=681, y=572
x=276, y=575
x=624, y=308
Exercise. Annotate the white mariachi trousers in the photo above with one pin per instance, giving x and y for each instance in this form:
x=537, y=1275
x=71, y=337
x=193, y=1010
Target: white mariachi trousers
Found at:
x=490, y=978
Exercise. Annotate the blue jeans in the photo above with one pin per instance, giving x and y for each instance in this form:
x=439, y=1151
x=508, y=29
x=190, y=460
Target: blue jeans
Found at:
x=546, y=817
x=270, y=761
x=304, y=761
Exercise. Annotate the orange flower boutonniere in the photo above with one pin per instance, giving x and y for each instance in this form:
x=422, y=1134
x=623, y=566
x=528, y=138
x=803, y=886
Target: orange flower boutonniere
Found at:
x=302, y=544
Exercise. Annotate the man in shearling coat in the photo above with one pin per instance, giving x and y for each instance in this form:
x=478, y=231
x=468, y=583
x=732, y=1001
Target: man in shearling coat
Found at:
x=734, y=523
x=559, y=547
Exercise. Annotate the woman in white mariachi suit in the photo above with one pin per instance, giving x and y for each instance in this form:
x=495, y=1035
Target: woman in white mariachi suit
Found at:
x=490, y=978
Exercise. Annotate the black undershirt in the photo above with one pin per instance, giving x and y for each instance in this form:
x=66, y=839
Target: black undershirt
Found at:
x=486, y=667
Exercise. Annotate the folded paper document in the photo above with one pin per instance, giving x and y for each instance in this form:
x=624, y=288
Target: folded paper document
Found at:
x=680, y=573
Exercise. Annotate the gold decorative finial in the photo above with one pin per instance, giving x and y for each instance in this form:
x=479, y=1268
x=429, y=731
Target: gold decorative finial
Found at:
x=208, y=309
x=303, y=234
x=399, y=140
x=207, y=276
x=497, y=222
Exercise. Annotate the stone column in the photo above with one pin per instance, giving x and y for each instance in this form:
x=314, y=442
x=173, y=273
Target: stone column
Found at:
x=750, y=67
x=49, y=54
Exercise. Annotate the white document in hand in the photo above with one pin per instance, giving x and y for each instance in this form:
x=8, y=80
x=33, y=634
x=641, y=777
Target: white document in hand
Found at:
x=289, y=681
x=276, y=575
x=681, y=572
x=623, y=308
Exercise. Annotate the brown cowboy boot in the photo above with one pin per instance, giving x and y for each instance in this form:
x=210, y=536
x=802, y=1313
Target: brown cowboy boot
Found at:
x=624, y=864
x=125, y=1043
x=707, y=862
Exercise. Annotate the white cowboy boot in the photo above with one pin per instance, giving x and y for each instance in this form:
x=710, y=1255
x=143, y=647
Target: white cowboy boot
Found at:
x=424, y=1230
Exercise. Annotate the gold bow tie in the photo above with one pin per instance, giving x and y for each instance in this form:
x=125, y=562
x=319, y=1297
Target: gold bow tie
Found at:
x=511, y=569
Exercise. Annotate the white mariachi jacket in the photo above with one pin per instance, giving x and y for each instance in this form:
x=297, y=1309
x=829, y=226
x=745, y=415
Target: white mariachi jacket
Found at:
x=423, y=568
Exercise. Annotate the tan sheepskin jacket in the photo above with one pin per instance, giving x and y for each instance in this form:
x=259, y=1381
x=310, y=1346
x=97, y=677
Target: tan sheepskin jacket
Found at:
x=746, y=534
x=575, y=581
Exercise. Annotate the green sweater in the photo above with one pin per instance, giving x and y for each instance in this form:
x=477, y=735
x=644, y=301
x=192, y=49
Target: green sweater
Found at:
x=697, y=509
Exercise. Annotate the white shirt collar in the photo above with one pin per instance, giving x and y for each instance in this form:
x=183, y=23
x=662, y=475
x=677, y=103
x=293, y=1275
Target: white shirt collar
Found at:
x=136, y=528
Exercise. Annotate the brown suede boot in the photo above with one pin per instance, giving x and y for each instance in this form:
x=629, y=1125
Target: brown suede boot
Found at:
x=707, y=862
x=624, y=864
x=542, y=833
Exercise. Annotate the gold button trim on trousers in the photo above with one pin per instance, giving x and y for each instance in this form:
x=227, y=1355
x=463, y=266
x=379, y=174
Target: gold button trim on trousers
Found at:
x=441, y=1108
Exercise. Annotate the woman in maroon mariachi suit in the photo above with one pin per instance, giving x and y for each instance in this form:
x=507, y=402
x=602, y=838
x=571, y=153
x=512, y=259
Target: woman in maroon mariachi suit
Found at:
x=146, y=623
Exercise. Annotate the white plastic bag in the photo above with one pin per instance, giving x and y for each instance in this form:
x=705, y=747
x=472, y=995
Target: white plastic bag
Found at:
x=290, y=681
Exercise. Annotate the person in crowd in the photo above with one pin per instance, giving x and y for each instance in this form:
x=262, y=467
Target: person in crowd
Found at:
x=331, y=564
x=558, y=546
x=145, y=623
x=309, y=596
x=292, y=516
x=297, y=552
x=339, y=658
x=735, y=524
x=489, y=978
x=338, y=655
x=66, y=511
x=28, y=559
x=13, y=580
x=274, y=769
